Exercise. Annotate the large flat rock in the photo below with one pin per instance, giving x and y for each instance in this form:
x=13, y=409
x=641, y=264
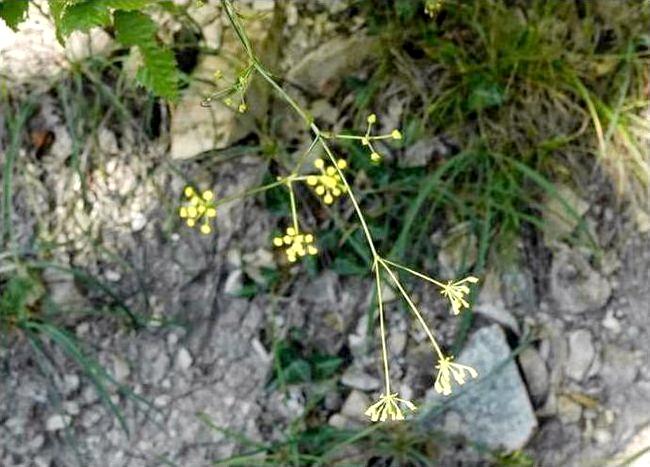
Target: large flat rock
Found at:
x=493, y=410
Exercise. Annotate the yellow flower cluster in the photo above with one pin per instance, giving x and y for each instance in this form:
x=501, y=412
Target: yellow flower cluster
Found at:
x=367, y=138
x=328, y=185
x=296, y=244
x=456, y=291
x=388, y=407
x=433, y=7
x=199, y=208
x=447, y=370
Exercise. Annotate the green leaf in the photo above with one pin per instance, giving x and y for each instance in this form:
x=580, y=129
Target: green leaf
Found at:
x=298, y=371
x=484, y=93
x=325, y=366
x=128, y=5
x=134, y=28
x=84, y=16
x=13, y=12
x=159, y=72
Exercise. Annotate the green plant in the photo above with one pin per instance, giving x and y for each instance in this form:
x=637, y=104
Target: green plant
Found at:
x=533, y=93
x=134, y=28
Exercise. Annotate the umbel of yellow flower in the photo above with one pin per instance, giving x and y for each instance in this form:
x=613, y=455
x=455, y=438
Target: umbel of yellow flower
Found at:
x=388, y=407
x=198, y=209
x=433, y=7
x=366, y=139
x=456, y=291
x=296, y=244
x=328, y=185
x=448, y=370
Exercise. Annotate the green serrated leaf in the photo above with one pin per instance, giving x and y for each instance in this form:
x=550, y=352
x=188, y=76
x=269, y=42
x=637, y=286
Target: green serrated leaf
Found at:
x=83, y=16
x=13, y=12
x=128, y=5
x=159, y=72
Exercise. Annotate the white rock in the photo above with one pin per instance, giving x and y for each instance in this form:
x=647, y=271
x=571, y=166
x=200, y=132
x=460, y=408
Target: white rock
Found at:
x=183, y=359
x=581, y=354
x=57, y=422
x=70, y=383
x=112, y=275
x=611, y=323
x=71, y=407
x=81, y=45
x=138, y=221
x=636, y=449
x=234, y=282
x=121, y=370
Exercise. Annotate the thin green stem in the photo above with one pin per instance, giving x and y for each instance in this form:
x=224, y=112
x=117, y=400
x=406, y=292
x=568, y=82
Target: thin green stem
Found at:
x=414, y=309
x=382, y=329
x=415, y=273
x=304, y=155
x=353, y=199
x=337, y=136
x=294, y=211
x=318, y=134
x=266, y=75
x=252, y=191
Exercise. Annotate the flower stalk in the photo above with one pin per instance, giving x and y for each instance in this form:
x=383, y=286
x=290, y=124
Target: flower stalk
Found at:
x=331, y=184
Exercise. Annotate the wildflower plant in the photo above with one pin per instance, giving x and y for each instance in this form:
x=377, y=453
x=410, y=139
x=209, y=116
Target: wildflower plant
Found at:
x=329, y=184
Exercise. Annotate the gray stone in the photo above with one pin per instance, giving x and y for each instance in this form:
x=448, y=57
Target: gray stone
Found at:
x=535, y=373
x=81, y=45
x=234, y=282
x=196, y=129
x=183, y=359
x=355, y=405
x=562, y=214
x=458, y=251
x=574, y=285
x=581, y=354
x=121, y=370
x=70, y=384
x=57, y=422
x=322, y=70
x=418, y=154
x=494, y=408
x=568, y=410
x=357, y=379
